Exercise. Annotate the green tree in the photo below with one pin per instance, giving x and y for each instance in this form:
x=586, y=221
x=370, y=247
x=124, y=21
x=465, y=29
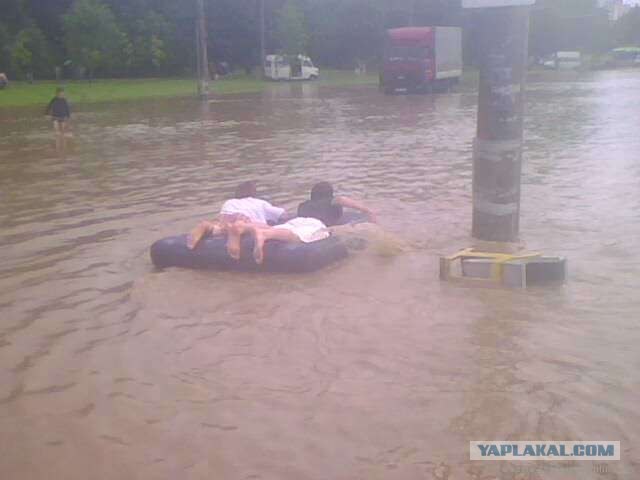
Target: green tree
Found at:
x=47, y=15
x=342, y=31
x=21, y=58
x=14, y=13
x=5, y=51
x=568, y=25
x=29, y=53
x=361, y=30
x=234, y=32
x=627, y=29
x=157, y=54
x=291, y=30
x=152, y=37
x=149, y=36
x=94, y=40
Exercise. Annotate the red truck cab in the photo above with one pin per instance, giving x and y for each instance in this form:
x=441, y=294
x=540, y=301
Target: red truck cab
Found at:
x=417, y=58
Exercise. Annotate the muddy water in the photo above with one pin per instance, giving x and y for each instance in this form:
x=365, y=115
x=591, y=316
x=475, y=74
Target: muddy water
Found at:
x=370, y=369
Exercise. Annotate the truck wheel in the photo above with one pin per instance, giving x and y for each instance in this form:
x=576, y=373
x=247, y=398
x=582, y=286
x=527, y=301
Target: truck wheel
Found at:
x=313, y=77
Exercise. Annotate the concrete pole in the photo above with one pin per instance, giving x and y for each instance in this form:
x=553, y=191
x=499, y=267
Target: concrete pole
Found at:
x=497, y=154
x=412, y=13
x=201, y=50
x=263, y=51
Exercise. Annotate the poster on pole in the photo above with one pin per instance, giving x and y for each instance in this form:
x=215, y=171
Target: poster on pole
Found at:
x=495, y=3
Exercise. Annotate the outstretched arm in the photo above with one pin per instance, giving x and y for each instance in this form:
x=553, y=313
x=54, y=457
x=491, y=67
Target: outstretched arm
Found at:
x=356, y=205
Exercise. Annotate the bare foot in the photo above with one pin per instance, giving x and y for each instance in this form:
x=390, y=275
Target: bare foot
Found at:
x=193, y=239
x=196, y=235
x=258, y=248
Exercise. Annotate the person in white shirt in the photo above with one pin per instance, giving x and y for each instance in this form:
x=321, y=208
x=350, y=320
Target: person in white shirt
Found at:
x=245, y=208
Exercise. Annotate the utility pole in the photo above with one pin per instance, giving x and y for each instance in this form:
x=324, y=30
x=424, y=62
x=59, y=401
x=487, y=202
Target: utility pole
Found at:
x=497, y=153
x=412, y=13
x=263, y=47
x=202, y=60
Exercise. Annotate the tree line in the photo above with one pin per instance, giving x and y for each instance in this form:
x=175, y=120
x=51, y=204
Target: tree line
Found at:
x=138, y=38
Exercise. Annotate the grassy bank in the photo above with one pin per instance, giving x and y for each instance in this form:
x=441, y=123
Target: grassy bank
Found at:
x=23, y=94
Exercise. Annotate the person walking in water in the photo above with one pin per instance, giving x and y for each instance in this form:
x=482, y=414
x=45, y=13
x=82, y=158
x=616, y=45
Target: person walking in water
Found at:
x=60, y=112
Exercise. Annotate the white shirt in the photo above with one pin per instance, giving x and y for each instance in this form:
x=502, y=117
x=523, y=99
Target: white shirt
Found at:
x=257, y=210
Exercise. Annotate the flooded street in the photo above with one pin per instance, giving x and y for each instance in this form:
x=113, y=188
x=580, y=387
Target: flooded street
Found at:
x=369, y=369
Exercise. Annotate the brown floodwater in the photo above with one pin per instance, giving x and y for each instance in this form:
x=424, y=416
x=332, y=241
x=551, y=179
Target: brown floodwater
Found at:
x=369, y=369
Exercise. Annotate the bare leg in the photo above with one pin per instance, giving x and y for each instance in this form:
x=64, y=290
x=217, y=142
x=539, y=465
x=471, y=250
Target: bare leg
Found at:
x=262, y=234
x=57, y=129
x=236, y=230
x=63, y=138
x=201, y=230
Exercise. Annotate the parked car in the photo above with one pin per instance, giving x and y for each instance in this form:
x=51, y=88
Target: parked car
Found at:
x=563, y=61
x=285, y=67
x=626, y=56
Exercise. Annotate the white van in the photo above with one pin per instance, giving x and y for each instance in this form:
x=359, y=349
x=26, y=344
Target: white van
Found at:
x=568, y=60
x=298, y=67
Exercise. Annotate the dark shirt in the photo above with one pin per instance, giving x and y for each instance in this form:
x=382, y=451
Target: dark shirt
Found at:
x=324, y=210
x=59, y=108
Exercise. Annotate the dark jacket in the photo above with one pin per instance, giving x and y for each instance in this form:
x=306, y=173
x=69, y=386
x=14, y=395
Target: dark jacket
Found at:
x=324, y=210
x=58, y=108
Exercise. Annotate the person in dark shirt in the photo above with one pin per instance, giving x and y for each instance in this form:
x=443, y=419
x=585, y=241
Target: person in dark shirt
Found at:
x=327, y=208
x=60, y=112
